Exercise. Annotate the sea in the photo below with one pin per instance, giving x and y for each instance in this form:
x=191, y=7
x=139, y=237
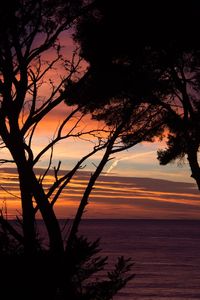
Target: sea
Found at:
x=165, y=253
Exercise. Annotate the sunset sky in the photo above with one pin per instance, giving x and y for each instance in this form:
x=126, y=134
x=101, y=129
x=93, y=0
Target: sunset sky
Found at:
x=115, y=197
x=133, y=184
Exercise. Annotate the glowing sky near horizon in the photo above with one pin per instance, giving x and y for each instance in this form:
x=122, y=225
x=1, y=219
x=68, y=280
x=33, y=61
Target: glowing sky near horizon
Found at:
x=114, y=197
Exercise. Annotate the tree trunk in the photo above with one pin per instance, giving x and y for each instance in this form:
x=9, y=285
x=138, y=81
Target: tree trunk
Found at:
x=25, y=183
x=194, y=165
x=49, y=217
x=14, y=142
x=27, y=212
x=30, y=187
x=91, y=183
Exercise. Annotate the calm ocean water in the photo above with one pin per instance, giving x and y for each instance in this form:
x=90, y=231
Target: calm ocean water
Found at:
x=166, y=254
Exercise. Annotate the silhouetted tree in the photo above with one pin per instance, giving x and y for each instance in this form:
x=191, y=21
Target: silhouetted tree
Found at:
x=28, y=30
x=145, y=52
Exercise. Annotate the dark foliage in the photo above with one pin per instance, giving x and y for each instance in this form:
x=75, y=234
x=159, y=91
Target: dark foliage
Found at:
x=73, y=276
x=146, y=52
x=130, y=46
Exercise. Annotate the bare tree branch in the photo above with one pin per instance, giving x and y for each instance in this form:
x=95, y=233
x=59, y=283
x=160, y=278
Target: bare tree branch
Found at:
x=48, y=167
x=58, y=137
x=5, y=161
x=5, y=190
x=62, y=182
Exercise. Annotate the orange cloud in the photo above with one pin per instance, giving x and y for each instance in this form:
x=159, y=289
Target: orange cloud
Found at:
x=114, y=197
